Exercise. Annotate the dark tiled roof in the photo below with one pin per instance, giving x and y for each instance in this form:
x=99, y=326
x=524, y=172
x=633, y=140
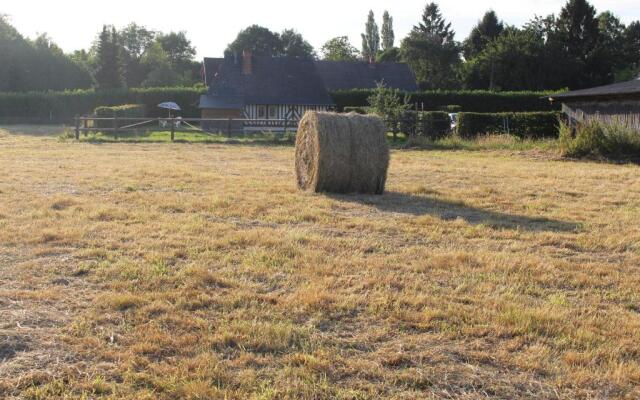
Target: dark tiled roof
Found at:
x=340, y=75
x=617, y=89
x=274, y=80
x=224, y=102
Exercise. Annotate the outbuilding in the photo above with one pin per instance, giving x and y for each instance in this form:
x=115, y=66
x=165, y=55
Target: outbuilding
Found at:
x=616, y=103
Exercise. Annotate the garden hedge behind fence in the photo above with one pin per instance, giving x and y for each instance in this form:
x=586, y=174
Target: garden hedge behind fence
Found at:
x=123, y=111
x=527, y=124
x=464, y=100
x=62, y=107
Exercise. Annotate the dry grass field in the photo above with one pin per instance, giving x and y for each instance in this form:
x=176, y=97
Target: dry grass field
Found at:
x=198, y=271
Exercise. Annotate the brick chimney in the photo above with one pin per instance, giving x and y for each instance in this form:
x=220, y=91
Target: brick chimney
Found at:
x=247, y=62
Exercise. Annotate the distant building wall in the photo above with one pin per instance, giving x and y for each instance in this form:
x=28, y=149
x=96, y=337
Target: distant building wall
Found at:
x=626, y=112
x=224, y=126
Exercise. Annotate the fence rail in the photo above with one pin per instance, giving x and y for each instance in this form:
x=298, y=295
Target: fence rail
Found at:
x=410, y=126
x=228, y=126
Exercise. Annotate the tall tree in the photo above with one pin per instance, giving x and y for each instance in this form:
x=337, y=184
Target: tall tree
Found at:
x=610, y=53
x=434, y=25
x=632, y=50
x=487, y=29
x=432, y=52
x=577, y=35
x=178, y=47
x=512, y=61
x=339, y=49
x=388, y=36
x=258, y=39
x=108, y=73
x=370, y=39
x=36, y=65
x=294, y=45
x=135, y=41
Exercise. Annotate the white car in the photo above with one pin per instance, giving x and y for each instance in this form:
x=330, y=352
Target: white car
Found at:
x=454, y=120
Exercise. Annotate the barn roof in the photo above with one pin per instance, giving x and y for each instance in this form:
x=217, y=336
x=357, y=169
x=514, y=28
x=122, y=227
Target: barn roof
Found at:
x=630, y=88
x=274, y=80
x=341, y=75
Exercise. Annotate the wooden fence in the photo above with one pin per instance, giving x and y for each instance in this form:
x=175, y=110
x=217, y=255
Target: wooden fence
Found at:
x=229, y=126
x=410, y=126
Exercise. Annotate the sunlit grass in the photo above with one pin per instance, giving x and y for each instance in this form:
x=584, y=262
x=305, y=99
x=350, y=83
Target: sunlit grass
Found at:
x=160, y=271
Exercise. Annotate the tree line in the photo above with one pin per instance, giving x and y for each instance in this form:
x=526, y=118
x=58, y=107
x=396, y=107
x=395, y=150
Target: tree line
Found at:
x=133, y=56
x=575, y=49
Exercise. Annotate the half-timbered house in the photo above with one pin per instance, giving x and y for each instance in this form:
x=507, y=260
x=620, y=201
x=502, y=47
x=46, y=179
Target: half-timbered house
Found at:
x=248, y=92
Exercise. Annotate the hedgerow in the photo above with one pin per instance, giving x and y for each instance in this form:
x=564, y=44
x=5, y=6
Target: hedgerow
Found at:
x=466, y=100
x=62, y=107
x=523, y=124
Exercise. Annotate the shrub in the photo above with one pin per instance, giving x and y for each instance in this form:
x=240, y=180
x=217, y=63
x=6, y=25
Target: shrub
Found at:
x=427, y=124
x=388, y=103
x=469, y=100
x=596, y=139
x=452, y=108
x=527, y=124
x=122, y=111
x=357, y=110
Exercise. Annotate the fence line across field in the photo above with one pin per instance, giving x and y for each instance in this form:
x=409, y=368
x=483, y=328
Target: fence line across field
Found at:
x=203, y=125
x=410, y=126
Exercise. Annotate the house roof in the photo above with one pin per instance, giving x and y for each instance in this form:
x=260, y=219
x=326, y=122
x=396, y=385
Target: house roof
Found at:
x=342, y=75
x=617, y=89
x=292, y=80
x=274, y=80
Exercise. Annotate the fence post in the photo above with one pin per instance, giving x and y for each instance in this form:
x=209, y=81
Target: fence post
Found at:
x=228, y=126
x=173, y=129
x=394, y=129
x=115, y=127
x=77, y=128
x=286, y=120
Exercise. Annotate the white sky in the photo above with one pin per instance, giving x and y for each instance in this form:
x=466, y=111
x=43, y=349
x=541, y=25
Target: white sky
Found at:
x=211, y=25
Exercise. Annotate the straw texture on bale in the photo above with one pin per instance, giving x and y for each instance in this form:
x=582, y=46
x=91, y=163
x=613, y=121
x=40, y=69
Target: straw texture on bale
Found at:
x=341, y=153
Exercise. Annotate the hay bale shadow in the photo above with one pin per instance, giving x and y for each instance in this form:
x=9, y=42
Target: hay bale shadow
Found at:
x=403, y=203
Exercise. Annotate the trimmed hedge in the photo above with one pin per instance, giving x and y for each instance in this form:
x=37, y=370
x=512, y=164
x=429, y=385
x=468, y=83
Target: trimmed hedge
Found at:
x=429, y=124
x=123, y=111
x=62, y=107
x=526, y=124
x=468, y=100
x=357, y=110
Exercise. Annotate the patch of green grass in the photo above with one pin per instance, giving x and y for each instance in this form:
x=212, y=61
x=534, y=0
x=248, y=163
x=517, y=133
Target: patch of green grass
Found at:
x=488, y=142
x=188, y=137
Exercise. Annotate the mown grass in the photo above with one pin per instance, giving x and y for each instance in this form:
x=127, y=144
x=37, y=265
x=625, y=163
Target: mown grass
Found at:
x=162, y=271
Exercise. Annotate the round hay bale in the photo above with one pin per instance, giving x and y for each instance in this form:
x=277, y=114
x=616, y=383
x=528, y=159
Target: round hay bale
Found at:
x=341, y=153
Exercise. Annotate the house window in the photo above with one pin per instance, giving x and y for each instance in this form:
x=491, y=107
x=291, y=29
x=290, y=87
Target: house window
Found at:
x=262, y=112
x=273, y=112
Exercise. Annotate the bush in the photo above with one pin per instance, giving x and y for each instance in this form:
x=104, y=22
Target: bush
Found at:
x=528, y=124
x=357, y=110
x=469, y=100
x=427, y=124
x=122, y=111
x=452, y=108
x=596, y=139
